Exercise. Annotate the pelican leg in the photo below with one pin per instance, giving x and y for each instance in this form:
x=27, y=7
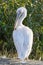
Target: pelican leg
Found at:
x=26, y=59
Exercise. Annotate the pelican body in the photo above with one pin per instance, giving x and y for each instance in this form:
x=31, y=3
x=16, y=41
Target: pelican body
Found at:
x=22, y=35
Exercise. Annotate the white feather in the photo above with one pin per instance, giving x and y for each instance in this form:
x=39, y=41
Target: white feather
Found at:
x=23, y=40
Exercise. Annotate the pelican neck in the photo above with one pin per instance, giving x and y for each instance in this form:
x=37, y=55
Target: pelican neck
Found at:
x=20, y=23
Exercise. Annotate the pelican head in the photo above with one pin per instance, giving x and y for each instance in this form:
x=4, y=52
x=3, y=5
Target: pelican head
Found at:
x=21, y=14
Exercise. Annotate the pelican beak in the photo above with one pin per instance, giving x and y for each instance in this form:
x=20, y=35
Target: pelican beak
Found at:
x=16, y=24
x=17, y=20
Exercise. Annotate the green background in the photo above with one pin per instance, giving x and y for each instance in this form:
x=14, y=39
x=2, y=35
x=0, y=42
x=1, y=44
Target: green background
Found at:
x=34, y=20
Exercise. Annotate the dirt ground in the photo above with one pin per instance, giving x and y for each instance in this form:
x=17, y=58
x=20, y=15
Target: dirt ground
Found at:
x=8, y=61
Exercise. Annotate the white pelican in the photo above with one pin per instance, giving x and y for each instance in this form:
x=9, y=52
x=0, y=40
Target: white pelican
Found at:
x=22, y=35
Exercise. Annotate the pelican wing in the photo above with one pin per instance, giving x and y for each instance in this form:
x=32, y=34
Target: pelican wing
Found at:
x=18, y=39
x=28, y=41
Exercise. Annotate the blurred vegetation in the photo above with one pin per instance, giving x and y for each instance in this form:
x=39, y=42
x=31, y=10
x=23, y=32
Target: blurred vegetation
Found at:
x=34, y=20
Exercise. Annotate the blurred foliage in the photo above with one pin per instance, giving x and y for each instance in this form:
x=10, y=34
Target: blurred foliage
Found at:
x=34, y=20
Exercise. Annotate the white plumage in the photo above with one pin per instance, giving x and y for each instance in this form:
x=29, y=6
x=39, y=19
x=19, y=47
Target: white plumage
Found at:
x=22, y=35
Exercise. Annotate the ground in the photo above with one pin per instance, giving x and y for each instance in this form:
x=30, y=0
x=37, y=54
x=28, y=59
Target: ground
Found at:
x=9, y=61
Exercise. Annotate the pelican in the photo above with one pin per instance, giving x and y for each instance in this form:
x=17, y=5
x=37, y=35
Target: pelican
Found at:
x=22, y=35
